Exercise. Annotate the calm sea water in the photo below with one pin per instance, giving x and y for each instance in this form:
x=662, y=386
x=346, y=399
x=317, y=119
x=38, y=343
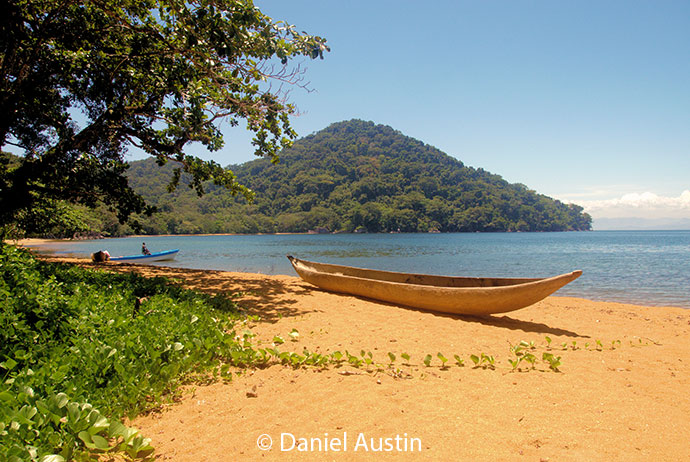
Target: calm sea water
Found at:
x=642, y=267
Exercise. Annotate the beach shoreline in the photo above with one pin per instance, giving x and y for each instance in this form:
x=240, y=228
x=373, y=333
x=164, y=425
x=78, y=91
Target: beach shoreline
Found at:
x=622, y=381
x=54, y=248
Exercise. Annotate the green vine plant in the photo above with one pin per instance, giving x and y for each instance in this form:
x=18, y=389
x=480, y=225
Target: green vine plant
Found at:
x=483, y=361
x=524, y=357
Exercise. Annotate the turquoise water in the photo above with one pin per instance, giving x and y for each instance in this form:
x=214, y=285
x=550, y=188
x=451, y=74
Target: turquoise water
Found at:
x=642, y=267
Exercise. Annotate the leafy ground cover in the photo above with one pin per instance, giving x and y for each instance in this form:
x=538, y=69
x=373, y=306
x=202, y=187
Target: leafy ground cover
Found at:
x=80, y=349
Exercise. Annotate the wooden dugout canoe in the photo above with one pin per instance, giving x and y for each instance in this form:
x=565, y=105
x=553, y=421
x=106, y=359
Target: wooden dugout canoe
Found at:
x=447, y=294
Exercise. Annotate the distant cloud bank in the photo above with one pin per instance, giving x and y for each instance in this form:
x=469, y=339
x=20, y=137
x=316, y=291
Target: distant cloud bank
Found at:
x=643, y=205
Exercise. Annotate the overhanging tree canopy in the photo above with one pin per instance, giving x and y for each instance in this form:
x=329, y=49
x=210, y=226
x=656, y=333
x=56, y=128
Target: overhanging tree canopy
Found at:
x=83, y=80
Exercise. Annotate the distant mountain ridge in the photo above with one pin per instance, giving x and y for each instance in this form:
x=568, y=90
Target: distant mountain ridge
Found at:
x=356, y=176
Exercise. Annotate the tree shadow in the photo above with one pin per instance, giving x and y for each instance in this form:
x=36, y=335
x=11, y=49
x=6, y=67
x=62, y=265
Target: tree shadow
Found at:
x=256, y=295
x=269, y=298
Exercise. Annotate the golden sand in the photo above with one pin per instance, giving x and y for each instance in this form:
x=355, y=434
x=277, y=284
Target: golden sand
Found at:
x=621, y=393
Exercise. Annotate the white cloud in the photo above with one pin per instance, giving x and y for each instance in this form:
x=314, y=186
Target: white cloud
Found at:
x=643, y=205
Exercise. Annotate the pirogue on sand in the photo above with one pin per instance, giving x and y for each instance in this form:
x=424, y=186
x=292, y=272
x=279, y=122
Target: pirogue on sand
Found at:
x=447, y=294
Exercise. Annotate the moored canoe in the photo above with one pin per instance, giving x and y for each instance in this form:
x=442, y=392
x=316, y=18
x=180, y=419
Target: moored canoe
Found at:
x=157, y=256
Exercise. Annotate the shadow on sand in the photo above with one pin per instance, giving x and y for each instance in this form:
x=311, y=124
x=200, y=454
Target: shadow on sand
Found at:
x=256, y=295
x=501, y=321
x=506, y=322
x=270, y=299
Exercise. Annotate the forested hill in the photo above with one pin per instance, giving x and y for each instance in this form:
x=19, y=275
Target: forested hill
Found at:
x=357, y=176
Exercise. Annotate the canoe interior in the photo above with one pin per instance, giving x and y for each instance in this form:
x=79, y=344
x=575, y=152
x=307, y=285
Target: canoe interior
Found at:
x=410, y=278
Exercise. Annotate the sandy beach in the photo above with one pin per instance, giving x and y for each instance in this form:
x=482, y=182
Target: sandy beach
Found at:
x=621, y=393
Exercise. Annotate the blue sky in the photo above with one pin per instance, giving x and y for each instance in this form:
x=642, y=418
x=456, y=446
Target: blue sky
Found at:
x=586, y=101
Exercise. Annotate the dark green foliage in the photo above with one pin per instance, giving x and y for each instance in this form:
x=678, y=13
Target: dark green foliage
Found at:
x=77, y=352
x=81, y=81
x=357, y=175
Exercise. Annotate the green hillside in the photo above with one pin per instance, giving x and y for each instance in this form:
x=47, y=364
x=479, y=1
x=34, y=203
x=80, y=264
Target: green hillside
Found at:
x=355, y=175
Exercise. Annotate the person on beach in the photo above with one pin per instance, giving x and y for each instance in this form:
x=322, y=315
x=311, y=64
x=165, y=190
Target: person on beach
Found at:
x=144, y=249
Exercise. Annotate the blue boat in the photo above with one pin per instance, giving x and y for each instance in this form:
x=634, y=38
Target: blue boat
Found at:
x=156, y=256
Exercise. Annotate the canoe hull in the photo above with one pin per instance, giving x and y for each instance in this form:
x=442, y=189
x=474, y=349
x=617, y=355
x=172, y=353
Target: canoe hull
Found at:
x=456, y=295
x=154, y=257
